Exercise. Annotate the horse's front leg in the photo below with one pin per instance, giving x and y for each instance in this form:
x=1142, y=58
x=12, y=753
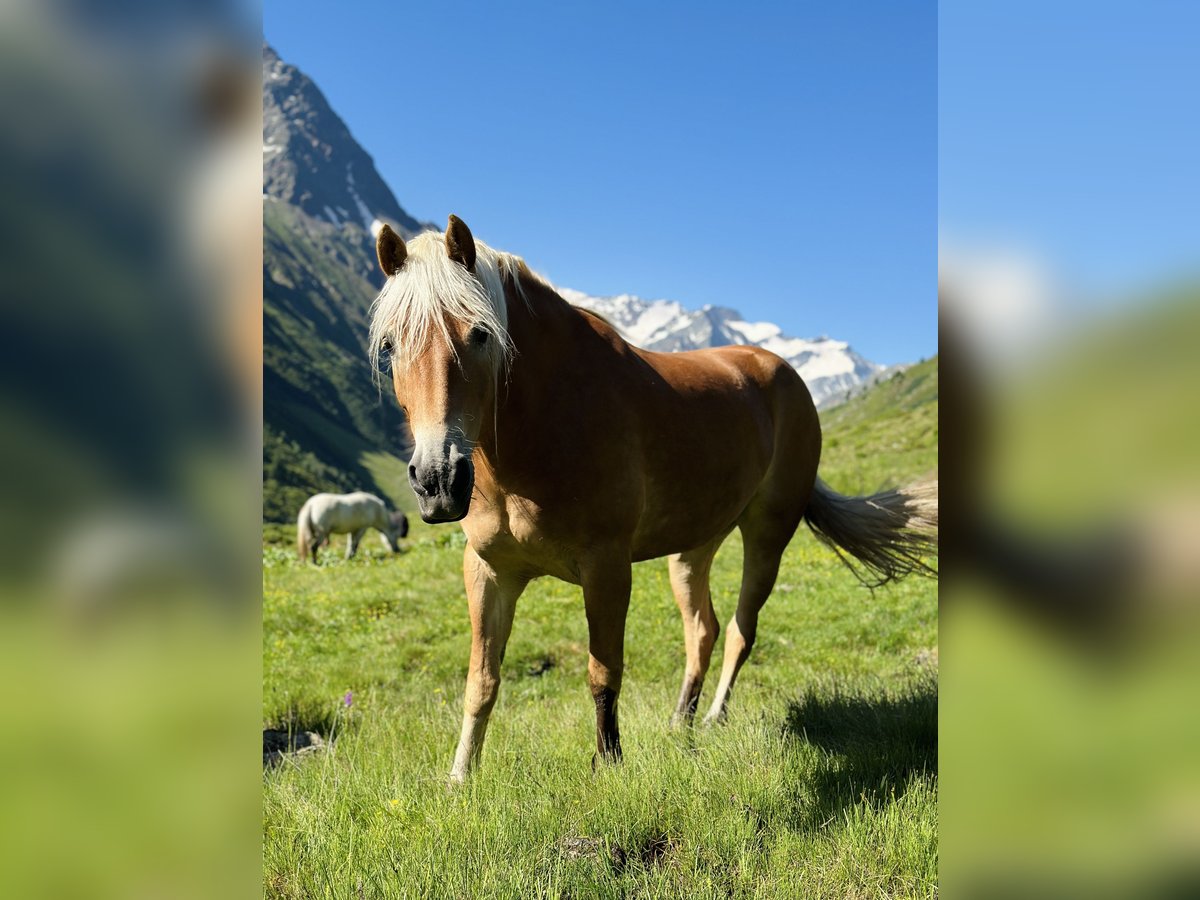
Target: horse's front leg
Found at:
x=606, y=585
x=492, y=599
x=352, y=542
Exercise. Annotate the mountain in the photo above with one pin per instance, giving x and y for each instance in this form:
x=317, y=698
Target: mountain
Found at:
x=831, y=369
x=325, y=425
x=311, y=161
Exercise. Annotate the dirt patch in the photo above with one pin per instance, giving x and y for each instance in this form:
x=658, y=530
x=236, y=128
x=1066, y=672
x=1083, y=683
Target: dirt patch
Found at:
x=649, y=852
x=571, y=847
x=277, y=745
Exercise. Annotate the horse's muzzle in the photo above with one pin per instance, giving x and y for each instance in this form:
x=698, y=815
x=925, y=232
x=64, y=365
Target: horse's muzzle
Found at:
x=443, y=488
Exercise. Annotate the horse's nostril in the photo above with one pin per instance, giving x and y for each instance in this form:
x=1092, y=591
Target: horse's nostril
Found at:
x=416, y=482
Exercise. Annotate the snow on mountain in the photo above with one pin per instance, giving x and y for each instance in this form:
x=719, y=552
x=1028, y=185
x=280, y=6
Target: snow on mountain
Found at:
x=311, y=160
x=830, y=368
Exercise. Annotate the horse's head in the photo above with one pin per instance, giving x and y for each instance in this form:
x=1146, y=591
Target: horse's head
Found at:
x=438, y=326
x=397, y=529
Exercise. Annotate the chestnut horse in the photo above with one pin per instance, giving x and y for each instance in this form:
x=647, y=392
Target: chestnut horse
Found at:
x=567, y=452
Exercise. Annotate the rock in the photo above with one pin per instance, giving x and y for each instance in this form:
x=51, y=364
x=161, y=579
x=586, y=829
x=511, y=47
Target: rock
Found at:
x=278, y=744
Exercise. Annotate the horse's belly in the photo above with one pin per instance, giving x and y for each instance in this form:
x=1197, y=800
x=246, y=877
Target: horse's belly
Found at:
x=701, y=469
x=342, y=521
x=692, y=518
x=690, y=506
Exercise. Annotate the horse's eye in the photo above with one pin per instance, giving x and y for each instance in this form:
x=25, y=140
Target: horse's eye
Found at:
x=385, y=355
x=478, y=336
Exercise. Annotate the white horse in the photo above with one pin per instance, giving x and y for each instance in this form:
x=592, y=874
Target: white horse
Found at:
x=352, y=514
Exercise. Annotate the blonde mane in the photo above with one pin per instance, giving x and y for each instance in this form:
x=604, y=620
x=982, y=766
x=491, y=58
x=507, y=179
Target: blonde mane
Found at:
x=431, y=288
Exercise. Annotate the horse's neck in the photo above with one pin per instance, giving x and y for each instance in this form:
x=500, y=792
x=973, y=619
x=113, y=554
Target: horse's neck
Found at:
x=541, y=325
x=538, y=307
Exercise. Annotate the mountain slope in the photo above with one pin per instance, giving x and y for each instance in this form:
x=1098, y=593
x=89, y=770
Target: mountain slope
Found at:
x=885, y=436
x=325, y=425
x=310, y=159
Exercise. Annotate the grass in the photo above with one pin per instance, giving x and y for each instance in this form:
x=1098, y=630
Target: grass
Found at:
x=886, y=434
x=822, y=784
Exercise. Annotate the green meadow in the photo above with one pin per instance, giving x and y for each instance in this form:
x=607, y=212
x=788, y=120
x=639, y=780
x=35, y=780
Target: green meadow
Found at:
x=823, y=783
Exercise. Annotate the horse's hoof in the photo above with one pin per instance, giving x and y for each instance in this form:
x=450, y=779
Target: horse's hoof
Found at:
x=608, y=759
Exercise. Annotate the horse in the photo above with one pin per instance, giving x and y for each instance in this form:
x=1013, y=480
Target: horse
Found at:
x=564, y=451
x=352, y=514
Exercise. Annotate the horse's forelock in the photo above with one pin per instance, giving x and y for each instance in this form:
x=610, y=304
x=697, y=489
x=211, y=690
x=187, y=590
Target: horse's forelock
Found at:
x=415, y=303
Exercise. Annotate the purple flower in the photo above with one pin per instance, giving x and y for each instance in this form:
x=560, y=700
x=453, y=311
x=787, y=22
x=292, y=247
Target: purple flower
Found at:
x=349, y=698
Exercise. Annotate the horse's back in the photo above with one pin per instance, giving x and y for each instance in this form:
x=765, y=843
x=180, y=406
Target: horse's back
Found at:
x=345, y=512
x=724, y=422
x=742, y=387
x=732, y=408
x=738, y=384
x=362, y=497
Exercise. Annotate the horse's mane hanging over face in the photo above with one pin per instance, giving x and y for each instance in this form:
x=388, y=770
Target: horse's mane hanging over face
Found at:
x=431, y=289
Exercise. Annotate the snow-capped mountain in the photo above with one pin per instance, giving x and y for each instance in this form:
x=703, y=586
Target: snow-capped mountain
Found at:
x=311, y=160
x=313, y=163
x=830, y=368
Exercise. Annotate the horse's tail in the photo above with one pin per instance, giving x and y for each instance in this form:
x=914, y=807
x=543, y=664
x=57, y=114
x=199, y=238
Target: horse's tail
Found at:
x=889, y=533
x=304, y=533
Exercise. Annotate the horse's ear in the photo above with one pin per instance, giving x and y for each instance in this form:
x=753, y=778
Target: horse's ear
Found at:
x=459, y=243
x=391, y=250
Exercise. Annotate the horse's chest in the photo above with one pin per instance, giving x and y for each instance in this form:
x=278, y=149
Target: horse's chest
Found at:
x=515, y=537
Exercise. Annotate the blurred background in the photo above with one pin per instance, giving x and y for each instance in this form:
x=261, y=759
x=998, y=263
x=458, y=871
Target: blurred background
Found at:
x=129, y=463
x=1069, y=287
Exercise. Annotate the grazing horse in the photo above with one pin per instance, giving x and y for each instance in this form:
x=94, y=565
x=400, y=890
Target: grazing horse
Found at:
x=352, y=514
x=565, y=451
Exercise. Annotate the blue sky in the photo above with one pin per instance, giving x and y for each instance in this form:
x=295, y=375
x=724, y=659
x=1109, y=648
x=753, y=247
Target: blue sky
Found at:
x=777, y=158
x=1072, y=130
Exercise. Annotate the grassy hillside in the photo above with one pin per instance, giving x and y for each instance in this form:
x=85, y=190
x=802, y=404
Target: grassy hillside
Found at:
x=324, y=421
x=822, y=784
x=884, y=436
x=1097, y=438
x=1115, y=405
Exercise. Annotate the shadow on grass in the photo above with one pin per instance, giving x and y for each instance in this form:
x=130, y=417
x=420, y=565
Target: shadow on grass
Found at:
x=876, y=745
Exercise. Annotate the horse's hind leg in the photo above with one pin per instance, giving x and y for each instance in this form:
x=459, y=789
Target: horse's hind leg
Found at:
x=689, y=582
x=764, y=538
